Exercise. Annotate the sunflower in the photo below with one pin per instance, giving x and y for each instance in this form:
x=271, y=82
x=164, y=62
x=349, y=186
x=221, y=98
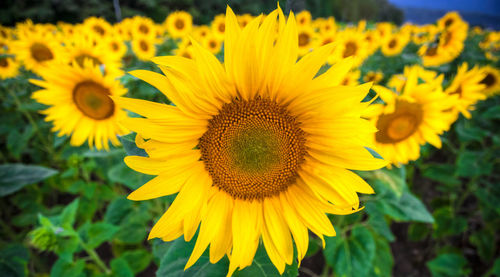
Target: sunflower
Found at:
x=327, y=25
x=179, y=24
x=350, y=43
x=143, y=27
x=449, y=20
x=143, y=48
x=211, y=43
x=201, y=31
x=395, y=44
x=259, y=147
x=307, y=40
x=80, y=104
x=9, y=67
x=491, y=80
x=373, y=41
x=185, y=52
x=35, y=50
x=83, y=47
x=384, y=30
x=351, y=78
x=98, y=26
x=373, y=76
x=304, y=18
x=433, y=55
x=406, y=121
x=468, y=87
x=219, y=26
x=398, y=81
x=244, y=19
x=116, y=46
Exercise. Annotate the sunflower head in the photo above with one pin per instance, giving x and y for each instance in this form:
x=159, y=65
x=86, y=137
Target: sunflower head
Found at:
x=491, y=80
x=179, y=24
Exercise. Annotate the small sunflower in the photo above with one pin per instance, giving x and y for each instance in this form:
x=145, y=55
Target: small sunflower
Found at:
x=304, y=18
x=327, y=26
x=394, y=44
x=351, y=78
x=80, y=104
x=185, y=52
x=406, y=121
x=373, y=76
x=98, y=26
x=179, y=24
x=450, y=20
x=211, y=43
x=116, y=46
x=350, y=43
x=257, y=148
x=244, y=19
x=307, y=40
x=201, y=31
x=398, y=81
x=144, y=48
x=219, y=26
x=491, y=80
x=468, y=87
x=9, y=67
x=35, y=50
x=143, y=27
x=373, y=41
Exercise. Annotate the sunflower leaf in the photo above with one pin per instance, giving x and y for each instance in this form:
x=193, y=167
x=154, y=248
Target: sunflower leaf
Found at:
x=14, y=177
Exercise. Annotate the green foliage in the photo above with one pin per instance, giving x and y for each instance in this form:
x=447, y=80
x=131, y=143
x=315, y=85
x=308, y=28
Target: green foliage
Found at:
x=14, y=177
x=448, y=265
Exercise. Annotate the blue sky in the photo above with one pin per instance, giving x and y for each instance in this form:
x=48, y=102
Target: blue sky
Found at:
x=491, y=7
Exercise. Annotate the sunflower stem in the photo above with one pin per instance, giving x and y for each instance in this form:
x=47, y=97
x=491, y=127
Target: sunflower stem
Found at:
x=95, y=257
x=32, y=122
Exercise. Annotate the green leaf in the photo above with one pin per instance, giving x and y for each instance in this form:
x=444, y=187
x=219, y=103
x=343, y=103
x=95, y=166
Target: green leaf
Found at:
x=128, y=142
x=443, y=173
x=16, y=141
x=393, y=178
x=97, y=233
x=447, y=223
x=64, y=268
x=482, y=240
x=448, y=265
x=383, y=262
x=14, y=177
x=492, y=113
x=118, y=210
x=14, y=260
x=120, y=173
x=418, y=231
x=352, y=255
x=473, y=164
x=68, y=215
x=120, y=268
x=138, y=260
x=172, y=264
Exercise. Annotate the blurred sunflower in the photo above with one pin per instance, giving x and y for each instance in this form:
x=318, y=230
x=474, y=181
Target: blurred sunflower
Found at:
x=9, y=67
x=143, y=27
x=373, y=76
x=219, y=26
x=449, y=20
x=179, y=24
x=144, y=48
x=394, y=44
x=186, y=52
x=201, y=31
x=406, y=121
x=257, y=147
x=98, y=26
x=116, y=46
x=80, y=104
x=491, y=80
x=350, y=43
x=35, y=50
x=244, y=19
x=304, y=18
x=468, y=87
x=211, y=43
x=307, y=40
x=351, y=78
x=398, y=81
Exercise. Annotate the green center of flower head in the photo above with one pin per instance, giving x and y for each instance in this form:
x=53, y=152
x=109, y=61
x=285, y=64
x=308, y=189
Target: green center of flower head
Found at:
x=255, y=150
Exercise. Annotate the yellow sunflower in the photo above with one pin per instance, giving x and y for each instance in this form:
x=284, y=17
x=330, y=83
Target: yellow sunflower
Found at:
x=257, y=148
x=219, y=26
x=406, y=121
x=201, y=31
x=327, y=26
x=351, y=78
x=80, y=104
x=373, y=41
x=143, y=27
x=398, y=81
x=468, y=87
x=179, y=24
x=144, y=48
x=116, y=46
x=185, y=52
x=211, y=43
x=244, y=19
x=373, y=76
x=304, y=18
x=350, y=43
x=307, y=40
x=98, y=26
x=450, y=20
x=35, y=50
x=394, y=44
x=9, y=67
x=81, y=47
x=491, y=80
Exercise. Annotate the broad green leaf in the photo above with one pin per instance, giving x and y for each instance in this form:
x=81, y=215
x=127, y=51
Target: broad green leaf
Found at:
x=418, y=231
x=447, y=223
x=14, y=177
x=482, y=240
x=64, y=268
x=118, y=210
x=448, y=265
x=352, y=255
x=68, y=215
x=473, y=164
x=383, y=262
x=96, y=233
x=128, y=142
x=121, y=268
x=443, y=173
x=14, y=260
x=120, y=173
x=138, y=260
x=393, y=178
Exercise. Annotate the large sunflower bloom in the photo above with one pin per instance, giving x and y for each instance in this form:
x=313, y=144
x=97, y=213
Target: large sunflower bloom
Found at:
x=256, y=148
x=80, y=104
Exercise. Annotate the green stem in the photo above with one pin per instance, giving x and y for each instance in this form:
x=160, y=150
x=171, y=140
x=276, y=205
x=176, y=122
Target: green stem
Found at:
x=32, y=122
x=95, y=257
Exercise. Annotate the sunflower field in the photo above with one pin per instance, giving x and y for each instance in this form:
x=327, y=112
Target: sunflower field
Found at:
x=269, y=145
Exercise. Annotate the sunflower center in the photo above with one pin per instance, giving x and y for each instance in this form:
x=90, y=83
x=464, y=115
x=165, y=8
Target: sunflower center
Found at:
x=489, y=80
x=447, y=38
x=303, y=39
x=392, y=43
x=253, y=149
x=401, y=124
x=92, y=99
x=144, y=46
x=144, y=29
x=179, y=24
x=457, y=91
x=41, y=52
x=80, y=58
x=115, y=46
x=350, y=49
x=100, y=30
x=4, y=62
x=431, y=51
x=448, y=22
x=222, y=27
